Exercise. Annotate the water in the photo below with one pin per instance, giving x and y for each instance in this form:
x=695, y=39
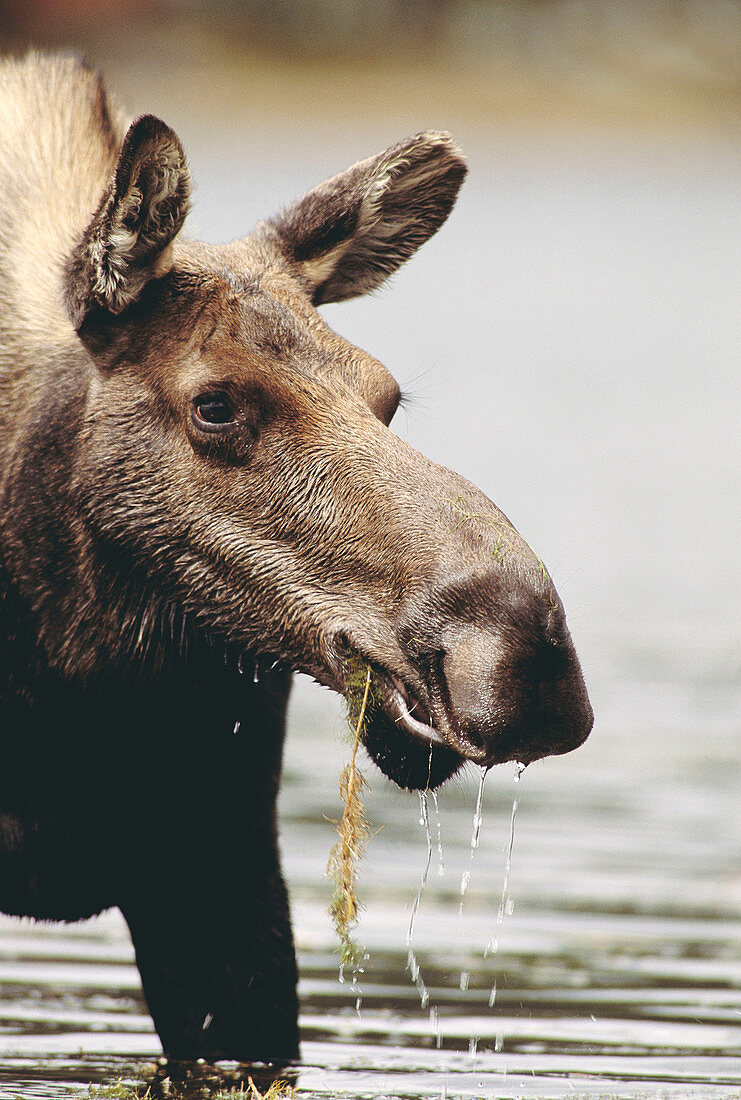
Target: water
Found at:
x=504, y=903
x=574, y=335
x=412, y=960
x=475, y=838
x=618, y=971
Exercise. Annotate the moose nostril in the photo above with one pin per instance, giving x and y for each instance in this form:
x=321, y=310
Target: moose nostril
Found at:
x=467, y=669
x=474, y=741
x=466, y=682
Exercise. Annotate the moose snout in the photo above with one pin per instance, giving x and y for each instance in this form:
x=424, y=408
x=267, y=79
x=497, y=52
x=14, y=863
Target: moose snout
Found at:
x=502, y=680
x=507, y=698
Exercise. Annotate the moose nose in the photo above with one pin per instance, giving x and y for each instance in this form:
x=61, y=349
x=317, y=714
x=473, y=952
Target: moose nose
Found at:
x=467, y=672
x=508, y=698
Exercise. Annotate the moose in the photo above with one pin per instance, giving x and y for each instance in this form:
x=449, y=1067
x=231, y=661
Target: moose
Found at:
x=197, y=476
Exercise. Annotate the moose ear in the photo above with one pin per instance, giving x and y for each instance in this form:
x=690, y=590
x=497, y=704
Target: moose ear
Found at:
x=128, y=241
x=349, y=234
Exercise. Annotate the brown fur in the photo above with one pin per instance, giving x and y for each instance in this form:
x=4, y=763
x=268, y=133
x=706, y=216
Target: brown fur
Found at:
x=196, y=475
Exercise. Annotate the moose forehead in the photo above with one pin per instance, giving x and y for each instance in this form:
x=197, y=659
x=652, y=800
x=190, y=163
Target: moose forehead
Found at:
x=227, y=326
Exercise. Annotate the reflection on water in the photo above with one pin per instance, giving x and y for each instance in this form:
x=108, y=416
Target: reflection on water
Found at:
x=588, y=390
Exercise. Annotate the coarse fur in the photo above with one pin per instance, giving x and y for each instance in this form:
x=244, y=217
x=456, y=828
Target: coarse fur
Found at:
x=199, y=494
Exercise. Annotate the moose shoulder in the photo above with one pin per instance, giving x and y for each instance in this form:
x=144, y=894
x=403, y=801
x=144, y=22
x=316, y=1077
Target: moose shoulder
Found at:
x=197, y=476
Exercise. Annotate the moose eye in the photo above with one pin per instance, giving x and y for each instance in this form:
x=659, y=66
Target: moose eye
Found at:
x=223, y=426
x=214, y=408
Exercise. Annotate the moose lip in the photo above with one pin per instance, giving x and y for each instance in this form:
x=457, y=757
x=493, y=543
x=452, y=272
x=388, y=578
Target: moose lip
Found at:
x=411, y=715
x=399, y=703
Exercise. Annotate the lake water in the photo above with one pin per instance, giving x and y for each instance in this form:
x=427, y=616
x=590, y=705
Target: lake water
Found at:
x=571, y=341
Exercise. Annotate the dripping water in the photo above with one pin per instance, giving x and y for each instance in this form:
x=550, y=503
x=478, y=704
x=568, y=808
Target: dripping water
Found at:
x=505, y=903
x=504, y=906
x=440, y=857
x=412, y=962
x=475, y=838
x=465, y=879
x=437, y=1030
x=476, y=835
x=465, y=975
x=357, y=971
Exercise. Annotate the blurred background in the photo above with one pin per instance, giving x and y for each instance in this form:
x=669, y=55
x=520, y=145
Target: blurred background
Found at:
x=571, y=342
x=637, y=62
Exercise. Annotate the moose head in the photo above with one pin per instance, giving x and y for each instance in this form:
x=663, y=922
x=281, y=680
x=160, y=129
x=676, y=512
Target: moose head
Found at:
x=239, y=453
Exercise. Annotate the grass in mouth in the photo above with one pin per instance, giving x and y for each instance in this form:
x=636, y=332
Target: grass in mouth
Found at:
x=352, y=828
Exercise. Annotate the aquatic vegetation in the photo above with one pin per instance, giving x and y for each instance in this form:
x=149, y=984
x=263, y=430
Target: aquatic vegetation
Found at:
x=353, y=829
x=279, y=1090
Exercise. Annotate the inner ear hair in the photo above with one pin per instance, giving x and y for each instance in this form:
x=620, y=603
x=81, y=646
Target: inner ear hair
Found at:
x=129, y=240
x=350, y=233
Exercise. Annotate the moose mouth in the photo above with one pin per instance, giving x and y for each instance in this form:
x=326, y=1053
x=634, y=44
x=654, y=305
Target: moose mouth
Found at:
x=399, y=704
x=399, y=733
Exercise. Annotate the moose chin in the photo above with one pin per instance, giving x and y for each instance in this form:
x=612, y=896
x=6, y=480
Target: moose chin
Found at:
x=197, y=474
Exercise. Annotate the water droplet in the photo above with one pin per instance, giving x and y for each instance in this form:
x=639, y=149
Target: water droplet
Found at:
x=519, y=769
x=475, y=837
x=464, y=980
x=493, y=995
x=498, y=1042
x=473, y=1046
x=256, y=674
x=237, y=726
x=435, y=1025
x=207, y=1021
x=508, y=863
x=440, y=858
x=476, y=834
x=240, y=664
x=465, y=879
